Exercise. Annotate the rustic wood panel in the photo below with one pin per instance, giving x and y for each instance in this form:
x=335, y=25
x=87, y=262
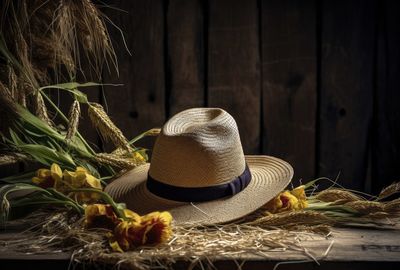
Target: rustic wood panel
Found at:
x=346, y=90
x=289, y=82
x=140, y=103
x=185, y=31
x=234, y=66
x=386, y=129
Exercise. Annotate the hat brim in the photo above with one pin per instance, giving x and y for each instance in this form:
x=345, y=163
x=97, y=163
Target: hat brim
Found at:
x=270, y=176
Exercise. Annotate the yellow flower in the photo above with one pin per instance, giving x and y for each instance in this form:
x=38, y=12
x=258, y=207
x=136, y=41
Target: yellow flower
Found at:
x=131, y=216
x=139, y=157
x=158, y=227
x=287, y=200
x=300, y=194
x=46, y=178
x=81, y=178
x=100, y=216
x=151, y=229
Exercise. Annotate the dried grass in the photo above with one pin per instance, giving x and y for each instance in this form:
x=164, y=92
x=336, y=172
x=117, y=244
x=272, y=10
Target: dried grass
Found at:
x=193, y=244
x=50, y=37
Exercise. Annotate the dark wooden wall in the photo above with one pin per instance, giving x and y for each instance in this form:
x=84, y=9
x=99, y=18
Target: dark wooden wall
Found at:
x=313, y=82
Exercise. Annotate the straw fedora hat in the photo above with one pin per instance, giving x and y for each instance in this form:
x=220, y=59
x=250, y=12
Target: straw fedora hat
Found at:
x=199, y=173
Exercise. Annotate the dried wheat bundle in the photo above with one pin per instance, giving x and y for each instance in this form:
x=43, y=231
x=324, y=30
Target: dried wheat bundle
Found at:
x=44, y=43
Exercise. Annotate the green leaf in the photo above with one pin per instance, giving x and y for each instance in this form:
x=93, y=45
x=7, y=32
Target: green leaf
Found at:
x=47, y=156
x=70, y=85
x=24, y=178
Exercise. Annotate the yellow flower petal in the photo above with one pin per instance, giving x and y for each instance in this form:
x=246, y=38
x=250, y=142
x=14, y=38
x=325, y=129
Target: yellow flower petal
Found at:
x=138, y=157
x=100, y=216
x=93, y=181
x=56, y=172
x=81, y=169
x=132, y=216
x=153, y=228
x=43, y=173
x=115, y=246
x=44, y=178
x=299, y=193
x=37, y=180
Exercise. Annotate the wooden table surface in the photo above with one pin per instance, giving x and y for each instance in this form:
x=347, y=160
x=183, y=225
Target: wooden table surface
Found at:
x=345, y=249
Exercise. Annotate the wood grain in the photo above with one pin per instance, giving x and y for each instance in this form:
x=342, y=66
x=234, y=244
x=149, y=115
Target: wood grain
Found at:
x=386, y=129
x=185, y=31
x=139, y=104
x=346, y=89
x=234, y=66
x=289, y=82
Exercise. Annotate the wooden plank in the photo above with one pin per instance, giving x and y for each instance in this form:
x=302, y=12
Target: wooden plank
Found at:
x=139, y=104
x=386, y=128
x=346, y=90
x=185, y=31
x=289, y=82
x=233, y=66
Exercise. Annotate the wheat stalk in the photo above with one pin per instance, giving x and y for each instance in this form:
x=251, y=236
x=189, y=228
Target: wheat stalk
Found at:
x=393, y=206
x=292, y=218
x=336, y=195
x=73, y=117
x=41, y=109
x=366, y=207
x=115, y=161
x=390, y=190
x=106, y=127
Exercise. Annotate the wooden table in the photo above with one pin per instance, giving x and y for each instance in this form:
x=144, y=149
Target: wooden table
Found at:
x=346, y=249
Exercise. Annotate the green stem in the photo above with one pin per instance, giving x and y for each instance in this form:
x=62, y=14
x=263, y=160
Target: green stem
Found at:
x=120, y=213
x=51, y=202
x=109, y=169
x=65, y=198
x=66, y=120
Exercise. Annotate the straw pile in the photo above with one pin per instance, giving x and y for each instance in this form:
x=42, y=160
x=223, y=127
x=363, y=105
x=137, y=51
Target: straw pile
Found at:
x=194, y=245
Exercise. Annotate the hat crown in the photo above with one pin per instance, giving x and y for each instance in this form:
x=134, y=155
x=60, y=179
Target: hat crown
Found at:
x=198, y=148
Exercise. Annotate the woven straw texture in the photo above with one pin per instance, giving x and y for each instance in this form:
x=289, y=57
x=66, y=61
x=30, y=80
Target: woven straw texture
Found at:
x=198, y=148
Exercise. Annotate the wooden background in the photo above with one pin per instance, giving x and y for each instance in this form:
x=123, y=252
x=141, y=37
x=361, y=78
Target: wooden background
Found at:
x=313, y=82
